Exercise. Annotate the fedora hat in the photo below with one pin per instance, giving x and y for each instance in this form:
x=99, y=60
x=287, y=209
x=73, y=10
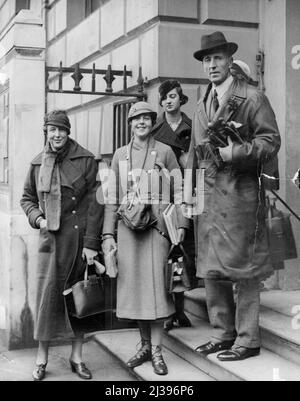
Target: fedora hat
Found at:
x=215, y=41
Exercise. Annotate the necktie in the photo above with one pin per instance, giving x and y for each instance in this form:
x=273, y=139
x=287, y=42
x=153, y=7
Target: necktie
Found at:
x=215, y=102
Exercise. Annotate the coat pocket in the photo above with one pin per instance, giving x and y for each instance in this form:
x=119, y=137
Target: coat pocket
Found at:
x=46, y=241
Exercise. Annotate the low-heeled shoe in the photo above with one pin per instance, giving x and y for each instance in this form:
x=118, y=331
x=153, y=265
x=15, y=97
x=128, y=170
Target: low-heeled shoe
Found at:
x=182, y=320
x=81, y=369
x=39, y=372
x=238, y=354
x=143, y=355
x=211, y=347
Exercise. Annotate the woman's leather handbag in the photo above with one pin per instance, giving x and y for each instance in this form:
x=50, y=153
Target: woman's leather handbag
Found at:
x=176, y=275
x=87, y=297
x=282, y=245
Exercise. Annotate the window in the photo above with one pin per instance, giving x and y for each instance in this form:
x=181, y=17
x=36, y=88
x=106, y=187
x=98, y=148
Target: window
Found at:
x=121, y=133
x=91, y=6
x=22, y=5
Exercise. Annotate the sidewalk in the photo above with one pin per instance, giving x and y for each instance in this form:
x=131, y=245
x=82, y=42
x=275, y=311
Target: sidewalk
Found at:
x=18, y=365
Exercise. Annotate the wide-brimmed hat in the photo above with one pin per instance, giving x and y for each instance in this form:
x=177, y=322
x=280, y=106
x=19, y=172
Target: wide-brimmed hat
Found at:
x=141, y=108
x=215, y=41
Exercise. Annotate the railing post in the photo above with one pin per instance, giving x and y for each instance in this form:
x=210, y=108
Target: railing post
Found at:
x=77, y=76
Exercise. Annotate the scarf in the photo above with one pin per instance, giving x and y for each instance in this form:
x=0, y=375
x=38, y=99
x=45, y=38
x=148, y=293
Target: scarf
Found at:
x=50, y=184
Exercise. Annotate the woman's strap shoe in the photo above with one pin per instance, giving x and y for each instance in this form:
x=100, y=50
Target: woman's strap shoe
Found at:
x=158, y=363
x=39, y=372
x=143, y=355
x=81, y=369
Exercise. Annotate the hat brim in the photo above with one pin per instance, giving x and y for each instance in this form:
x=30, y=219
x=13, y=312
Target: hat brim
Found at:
x=229, y=47
x=153, y=115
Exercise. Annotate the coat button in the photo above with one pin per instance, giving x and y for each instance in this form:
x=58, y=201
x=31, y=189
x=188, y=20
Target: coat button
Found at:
x=73, y=198
x=76, y=227
x=74, y=212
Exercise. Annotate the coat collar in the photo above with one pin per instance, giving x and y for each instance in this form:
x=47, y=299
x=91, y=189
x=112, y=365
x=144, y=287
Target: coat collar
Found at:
x=162, y=120
x=180, y=138
x=76, y=151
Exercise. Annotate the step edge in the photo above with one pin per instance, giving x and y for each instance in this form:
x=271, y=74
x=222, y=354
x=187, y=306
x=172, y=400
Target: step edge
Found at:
x=122, y=363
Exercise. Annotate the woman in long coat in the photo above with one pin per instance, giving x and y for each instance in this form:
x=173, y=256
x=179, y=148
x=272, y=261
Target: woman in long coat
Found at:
x=174, y=128
x=60, y=199
x=141, y=291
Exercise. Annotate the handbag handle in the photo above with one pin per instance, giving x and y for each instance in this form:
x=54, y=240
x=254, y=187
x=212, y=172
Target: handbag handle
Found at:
x=285, y=204
x=91, y=278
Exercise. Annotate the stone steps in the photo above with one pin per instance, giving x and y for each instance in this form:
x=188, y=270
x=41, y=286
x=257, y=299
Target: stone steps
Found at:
x=279, y=359
x=122, y=345
x=268, y=366
x=276, y=320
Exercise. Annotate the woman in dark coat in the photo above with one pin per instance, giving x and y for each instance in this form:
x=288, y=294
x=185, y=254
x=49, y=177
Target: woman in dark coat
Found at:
x=141, y=289
x=174, y=128
x=60, y=199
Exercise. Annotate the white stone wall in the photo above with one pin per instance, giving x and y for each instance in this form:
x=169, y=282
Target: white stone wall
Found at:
x=24, y=43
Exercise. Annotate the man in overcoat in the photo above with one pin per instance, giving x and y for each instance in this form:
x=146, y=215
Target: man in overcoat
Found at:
x=235, y=141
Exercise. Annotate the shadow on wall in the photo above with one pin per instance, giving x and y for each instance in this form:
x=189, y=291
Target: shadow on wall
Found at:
x=21, y=317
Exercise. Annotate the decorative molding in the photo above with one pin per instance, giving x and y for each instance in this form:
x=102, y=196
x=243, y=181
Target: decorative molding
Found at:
x=28, y=51
x=183, y=20
x=237, y=24
x=182, y=80
x=21, y=51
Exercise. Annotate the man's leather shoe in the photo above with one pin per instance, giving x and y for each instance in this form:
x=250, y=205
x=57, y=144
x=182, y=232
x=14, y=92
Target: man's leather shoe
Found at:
x=81, y=369
x=143, y=355
x=238, y=354
x=39, y=372
x=211, y=347
x=158, y=363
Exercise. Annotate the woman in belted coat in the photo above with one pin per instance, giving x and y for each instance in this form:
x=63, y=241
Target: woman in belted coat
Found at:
x=174, y=128
x=141, y=289
x=59, y=199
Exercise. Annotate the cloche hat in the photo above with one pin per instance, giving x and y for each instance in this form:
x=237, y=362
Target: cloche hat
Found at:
x=167, y=86
x=141, y=108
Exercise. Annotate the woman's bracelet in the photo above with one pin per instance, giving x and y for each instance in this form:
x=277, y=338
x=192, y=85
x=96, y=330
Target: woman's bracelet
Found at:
x=106, y=236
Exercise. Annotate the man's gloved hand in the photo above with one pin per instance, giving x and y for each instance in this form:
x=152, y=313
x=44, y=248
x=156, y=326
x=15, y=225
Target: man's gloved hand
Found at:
x=217, y=133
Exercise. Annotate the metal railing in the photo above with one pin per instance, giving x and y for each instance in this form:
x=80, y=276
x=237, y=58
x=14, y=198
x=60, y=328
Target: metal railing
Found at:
x=77, y=74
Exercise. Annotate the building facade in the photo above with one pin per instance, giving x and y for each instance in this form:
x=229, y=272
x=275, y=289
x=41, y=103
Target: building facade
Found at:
x=159, y=36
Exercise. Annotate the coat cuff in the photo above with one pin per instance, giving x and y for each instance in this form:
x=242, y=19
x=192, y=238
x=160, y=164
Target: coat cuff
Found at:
x=33, y=216
x=92, y=243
